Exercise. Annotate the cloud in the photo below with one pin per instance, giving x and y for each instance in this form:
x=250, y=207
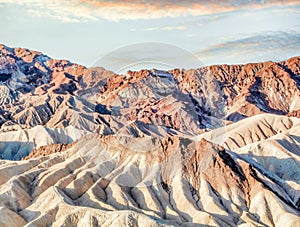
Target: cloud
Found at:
x=64, y=19
x=273, y=46
x=65, y=11
x=166, y=28
x=115, y=10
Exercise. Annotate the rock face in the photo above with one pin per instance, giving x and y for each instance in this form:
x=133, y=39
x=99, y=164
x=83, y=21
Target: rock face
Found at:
x=47, y=150
x=214, y=146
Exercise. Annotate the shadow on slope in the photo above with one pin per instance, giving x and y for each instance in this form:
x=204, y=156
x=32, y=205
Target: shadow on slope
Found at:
x=15, y=150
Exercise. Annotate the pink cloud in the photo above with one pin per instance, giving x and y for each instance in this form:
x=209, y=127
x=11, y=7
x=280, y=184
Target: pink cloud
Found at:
x=115, y=10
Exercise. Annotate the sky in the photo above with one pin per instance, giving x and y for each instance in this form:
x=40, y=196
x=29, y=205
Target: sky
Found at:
x=213, y=31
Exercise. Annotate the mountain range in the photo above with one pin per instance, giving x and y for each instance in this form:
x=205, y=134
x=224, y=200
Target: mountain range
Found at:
x=213, y=146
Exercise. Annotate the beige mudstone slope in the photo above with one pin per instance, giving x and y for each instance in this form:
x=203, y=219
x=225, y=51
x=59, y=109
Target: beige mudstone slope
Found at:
x=17, y=144
x=126, y=181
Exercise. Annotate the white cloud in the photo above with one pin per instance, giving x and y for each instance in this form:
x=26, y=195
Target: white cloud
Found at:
x=64, y=19
x=115, y=10
x=166, y=28
x=275, y=46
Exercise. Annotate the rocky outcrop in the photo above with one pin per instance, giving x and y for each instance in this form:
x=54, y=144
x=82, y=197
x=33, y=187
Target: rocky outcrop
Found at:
x=241, y=91
x=47, y=150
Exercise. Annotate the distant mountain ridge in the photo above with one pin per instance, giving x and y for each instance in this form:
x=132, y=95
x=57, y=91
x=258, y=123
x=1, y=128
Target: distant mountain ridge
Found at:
x=38, y=90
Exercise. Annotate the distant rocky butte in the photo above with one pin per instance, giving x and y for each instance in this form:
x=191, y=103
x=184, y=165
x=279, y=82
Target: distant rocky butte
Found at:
x=214, y=146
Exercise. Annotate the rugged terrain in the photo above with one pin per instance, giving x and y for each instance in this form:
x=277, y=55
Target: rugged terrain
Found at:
x=214, y=146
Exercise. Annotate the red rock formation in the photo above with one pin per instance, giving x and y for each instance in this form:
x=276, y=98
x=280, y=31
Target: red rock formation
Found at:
x=47, y=150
